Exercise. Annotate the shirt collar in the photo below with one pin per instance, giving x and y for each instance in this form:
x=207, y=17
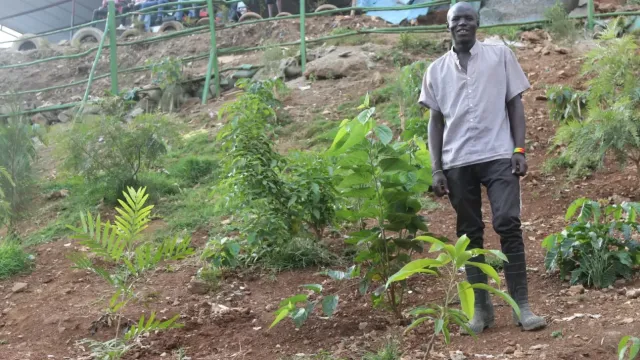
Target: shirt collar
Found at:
x=474, y=49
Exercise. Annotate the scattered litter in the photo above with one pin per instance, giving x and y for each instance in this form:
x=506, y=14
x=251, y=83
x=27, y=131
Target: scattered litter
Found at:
x=577, y=316
x=303, y=88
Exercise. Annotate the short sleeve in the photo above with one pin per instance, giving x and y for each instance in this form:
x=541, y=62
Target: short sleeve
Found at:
x=427, y=96
x=517, y=81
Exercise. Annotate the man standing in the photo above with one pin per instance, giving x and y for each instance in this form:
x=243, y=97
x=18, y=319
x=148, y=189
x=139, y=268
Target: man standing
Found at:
x=477, y=137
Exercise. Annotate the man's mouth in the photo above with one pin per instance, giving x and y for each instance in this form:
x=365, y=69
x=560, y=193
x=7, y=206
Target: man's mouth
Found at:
x=462, y=31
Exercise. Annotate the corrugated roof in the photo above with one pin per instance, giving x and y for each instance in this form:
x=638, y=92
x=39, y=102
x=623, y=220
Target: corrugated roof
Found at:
x=40, y=16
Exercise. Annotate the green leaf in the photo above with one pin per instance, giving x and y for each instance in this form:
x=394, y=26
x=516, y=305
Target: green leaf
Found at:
x=299, y=317
x=423, y=311
x=622, y=347
x=282, y=313
x=502, y=294
x=355, y=179
x=416, y=322
x=487, y=269
x=384, y=134
x=447, y=335
x=329, y=305
x=316, y=288
x=463, y=324
x=439, y=323
x=416, y=266
x=461, y=244
x=571, y=211
x=467, y=298
x=294, y=299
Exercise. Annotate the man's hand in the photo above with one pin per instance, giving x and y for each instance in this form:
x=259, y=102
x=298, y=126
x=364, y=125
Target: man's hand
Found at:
x=439, y=185
x=519, y=165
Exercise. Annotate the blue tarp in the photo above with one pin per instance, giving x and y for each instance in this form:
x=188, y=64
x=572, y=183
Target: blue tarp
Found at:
x=397, y=16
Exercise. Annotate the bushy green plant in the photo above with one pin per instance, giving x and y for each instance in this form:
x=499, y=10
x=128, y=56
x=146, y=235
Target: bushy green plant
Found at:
x=628, y=348
x=18, y=153
x=193, y=169
x=268, y=92
x=413, y=118
x=120, y=244
x=13, y=259
x=346, y=36
x=566, y=104
x=560, y=25
x=416, y=45
x=599, y=246
x=612, y=124
x=110, y=153
x=166, y=72
x=382, y=181
x=311, y=190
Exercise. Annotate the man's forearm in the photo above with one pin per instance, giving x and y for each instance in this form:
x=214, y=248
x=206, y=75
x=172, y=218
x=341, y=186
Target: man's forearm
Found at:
x=515, y=109
x=436, y=135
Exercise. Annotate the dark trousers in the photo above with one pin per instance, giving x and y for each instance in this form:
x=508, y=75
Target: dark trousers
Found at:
x=503, y=189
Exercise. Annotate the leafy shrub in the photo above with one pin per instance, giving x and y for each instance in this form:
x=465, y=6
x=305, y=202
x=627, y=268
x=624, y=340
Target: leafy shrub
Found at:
x=193, y=169
x=628, y=344
x=166, y=72
x=566, y=104
x=111, y=153
x=612, y=123
x=310, y=189
x=18, y=151
x=561, y=26
x=343, y=39
x=13, y=260
x=300, y=252
x=415, y=45
x=599, y=246
x=269, y=92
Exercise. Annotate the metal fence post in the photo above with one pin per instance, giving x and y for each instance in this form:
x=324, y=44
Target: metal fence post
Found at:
x=213, y=56
x=113, y=49
x=303, y=42
x=590, y=14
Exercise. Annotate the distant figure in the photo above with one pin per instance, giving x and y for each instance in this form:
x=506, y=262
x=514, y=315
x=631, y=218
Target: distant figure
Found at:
x=272, y=4
x=147, y=17
x=193, y=13
x=101, y=12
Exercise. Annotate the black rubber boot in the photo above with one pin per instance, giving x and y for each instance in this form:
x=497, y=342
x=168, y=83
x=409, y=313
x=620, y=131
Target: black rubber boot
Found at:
x=483, y=316
x=515, y=272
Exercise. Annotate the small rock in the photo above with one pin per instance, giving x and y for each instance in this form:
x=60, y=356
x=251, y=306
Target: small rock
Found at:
x=60, y=194
x=509, y=350
x=270, y=307
x=377, y=79
x=176, y=303
x=561, y=50
x=538, y=49
x=576, y=290
x=626, y=321
x=362, y=326
x=632, y=293
x=542, y=98
x=620, y=282
x=519, y=354
x=19, y=287
x=6, y=311
x=198, y=287
x=539, y=347
x=457, y=355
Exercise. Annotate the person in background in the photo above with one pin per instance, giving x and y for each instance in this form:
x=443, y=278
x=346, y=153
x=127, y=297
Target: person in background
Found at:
x=193, y=13
x=101, y=12
x=271, y=6
x=147, y=17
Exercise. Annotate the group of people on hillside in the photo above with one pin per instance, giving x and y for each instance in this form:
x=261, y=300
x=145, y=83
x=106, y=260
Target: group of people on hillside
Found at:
x=128, y=6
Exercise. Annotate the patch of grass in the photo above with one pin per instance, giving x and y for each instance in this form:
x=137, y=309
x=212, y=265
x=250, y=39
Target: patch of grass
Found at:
x=13, y=259
x=194, y=169
x=509, y=33
x=300, y=253
x=415, y=44
x=561, y=26
x=189, y=210
x=352, y=40
x=390, y=351
x=494, y=262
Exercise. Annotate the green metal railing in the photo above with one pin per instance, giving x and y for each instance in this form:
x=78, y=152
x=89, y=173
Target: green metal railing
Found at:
x=213, y=70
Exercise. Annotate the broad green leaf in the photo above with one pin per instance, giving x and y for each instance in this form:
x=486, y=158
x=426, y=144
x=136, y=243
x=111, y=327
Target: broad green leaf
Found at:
x=299, y=316
x=355, y=179
x=281, y=315
x=329, y=305
x=496, y=253
x=294, y=299
x=571, y=211
x=487, y=269
x=463, y=325
x=461, y=244
x=622, y=347
x=438, y=324
x=365, y=115
x=416, y=266
x=447, y=335
x=316, y=288
x=467, y=298
x=384, y=134
x=416, y=322
x=500, y=293
x=402, y=275
x=423, y=311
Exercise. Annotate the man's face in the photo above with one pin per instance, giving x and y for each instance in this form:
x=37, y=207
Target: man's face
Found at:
x=463, y=23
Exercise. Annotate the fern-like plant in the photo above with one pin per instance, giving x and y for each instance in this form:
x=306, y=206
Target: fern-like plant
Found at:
x=120, y=243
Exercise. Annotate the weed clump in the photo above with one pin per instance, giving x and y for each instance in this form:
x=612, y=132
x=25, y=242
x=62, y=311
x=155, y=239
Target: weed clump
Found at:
x=561, y=26
x=13, y=259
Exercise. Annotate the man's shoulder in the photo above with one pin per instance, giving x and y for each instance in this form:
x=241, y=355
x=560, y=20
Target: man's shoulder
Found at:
x=498, y=49
x=437, y=64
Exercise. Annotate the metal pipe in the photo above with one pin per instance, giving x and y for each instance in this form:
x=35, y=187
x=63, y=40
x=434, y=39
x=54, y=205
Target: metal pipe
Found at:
x=590, y=14
x=213, y=57
x=303, y=43
x=93, y=71
x=73, y=18
x=113, y=50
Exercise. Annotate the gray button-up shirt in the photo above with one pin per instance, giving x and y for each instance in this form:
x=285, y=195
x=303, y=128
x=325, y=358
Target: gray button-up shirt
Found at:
x=474, y=103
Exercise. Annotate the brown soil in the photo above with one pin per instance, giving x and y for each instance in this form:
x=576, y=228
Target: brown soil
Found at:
x=60, y=304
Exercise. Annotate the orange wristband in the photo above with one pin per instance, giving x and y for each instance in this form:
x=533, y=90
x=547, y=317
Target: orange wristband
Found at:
x=519, y=150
